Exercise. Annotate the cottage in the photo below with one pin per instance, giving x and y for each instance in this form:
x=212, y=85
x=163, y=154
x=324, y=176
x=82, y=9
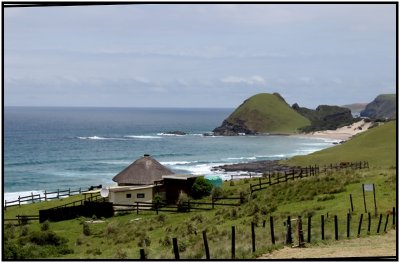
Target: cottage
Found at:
x=146, y=177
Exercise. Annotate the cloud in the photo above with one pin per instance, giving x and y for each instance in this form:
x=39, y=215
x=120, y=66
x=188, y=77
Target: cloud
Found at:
x=252, y=80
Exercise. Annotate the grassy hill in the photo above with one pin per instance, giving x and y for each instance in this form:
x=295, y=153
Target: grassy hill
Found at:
x=267, y=113
x=377, y=146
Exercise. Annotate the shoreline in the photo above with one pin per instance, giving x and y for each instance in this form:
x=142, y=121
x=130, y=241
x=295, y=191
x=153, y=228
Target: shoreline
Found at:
x=344, y=133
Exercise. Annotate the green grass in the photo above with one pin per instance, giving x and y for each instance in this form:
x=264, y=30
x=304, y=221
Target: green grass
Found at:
x=377, y=146
x=122, y=236
x=268, y=113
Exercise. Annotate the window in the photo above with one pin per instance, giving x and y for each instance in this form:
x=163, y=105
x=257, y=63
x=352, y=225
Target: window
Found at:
x=141, y=195
x=128, y=195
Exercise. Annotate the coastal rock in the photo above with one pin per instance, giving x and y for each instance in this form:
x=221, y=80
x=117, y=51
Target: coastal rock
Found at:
x=231, y=129
x=256, y=167
x=382, y=107
x=176, y=133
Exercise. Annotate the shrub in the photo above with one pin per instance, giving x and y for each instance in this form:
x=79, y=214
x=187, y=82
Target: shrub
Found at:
x=46, y=238
x=86, y=229
x=182, y=202
x=216, y=192
x=161, y=218
x=24, y=231
x=111, y=228
x=45, y=226
x=121, y=254
x=200, y=188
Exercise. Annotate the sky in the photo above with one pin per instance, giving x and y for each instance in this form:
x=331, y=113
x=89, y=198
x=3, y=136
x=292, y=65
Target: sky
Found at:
x=192, y=55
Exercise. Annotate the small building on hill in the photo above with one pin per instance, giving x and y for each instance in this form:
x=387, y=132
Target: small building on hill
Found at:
x=146, y=177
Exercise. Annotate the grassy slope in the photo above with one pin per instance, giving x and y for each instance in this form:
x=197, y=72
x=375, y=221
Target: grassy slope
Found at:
x=377, y=146
x=267, y=113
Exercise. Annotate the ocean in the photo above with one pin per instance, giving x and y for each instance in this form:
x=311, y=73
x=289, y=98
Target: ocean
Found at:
x=50, y=148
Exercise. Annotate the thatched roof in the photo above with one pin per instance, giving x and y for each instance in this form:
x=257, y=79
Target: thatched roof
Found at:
x=143, y=171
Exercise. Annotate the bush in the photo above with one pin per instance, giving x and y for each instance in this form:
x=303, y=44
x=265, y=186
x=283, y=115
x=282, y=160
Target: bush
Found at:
x=216, y=192
x=200, y=188
x=182, y=202
x=45, y=226
x=86, y=229
x=46, y=238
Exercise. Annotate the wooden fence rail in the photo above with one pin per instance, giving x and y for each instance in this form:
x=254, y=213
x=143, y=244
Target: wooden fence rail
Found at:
x=276, y=177
x=45, y=196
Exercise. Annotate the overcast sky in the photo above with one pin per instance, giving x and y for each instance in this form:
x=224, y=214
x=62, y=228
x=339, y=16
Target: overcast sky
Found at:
x=172, y=55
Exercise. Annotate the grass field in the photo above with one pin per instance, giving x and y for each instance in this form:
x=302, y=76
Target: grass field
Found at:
x=122, y=236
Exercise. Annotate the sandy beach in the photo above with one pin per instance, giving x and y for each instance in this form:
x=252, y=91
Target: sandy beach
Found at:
x=343, y=133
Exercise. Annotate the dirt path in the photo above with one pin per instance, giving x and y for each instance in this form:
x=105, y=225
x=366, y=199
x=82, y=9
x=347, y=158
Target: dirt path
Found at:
x=373, y=246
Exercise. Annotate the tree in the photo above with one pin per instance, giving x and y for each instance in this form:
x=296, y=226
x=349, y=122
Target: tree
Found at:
x=200, y=188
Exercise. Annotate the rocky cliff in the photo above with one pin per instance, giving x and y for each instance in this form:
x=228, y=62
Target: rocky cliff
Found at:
x=382, y=107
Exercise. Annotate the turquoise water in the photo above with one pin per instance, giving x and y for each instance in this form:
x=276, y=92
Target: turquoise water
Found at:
x=61, y=148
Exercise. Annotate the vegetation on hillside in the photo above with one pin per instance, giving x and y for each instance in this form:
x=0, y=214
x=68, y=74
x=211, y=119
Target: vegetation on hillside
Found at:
x=325, y=117
x=263, y=113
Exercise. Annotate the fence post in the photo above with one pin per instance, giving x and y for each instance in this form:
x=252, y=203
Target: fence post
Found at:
x=233, y=243
x=269, y=178
x=206, y=245
x=271, y=224
x=5, y=204
x=285, y=176
x=369, y=222
x=322, y=228
x=69, y=191
x=309, y=229
x=289, y=239
x=142, y=254
x=300, y=231
x=253, y=238
x=394, y=217
x=379, y=224
x=348, y=225
x=137, y=208
x=259, y=181
x=176, y=250
x=351, y=203
x=365, y=204
x=387, y=219
x=212, y=202
x=32, y=196
x=188, y=205
x=359, y=225
x=336, y=228
x=80, y=190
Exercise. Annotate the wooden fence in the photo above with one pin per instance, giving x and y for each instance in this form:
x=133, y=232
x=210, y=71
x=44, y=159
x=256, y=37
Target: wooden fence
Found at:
x=184, y=207
x=45, y=196
x=297, y=232
x=277, y=177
